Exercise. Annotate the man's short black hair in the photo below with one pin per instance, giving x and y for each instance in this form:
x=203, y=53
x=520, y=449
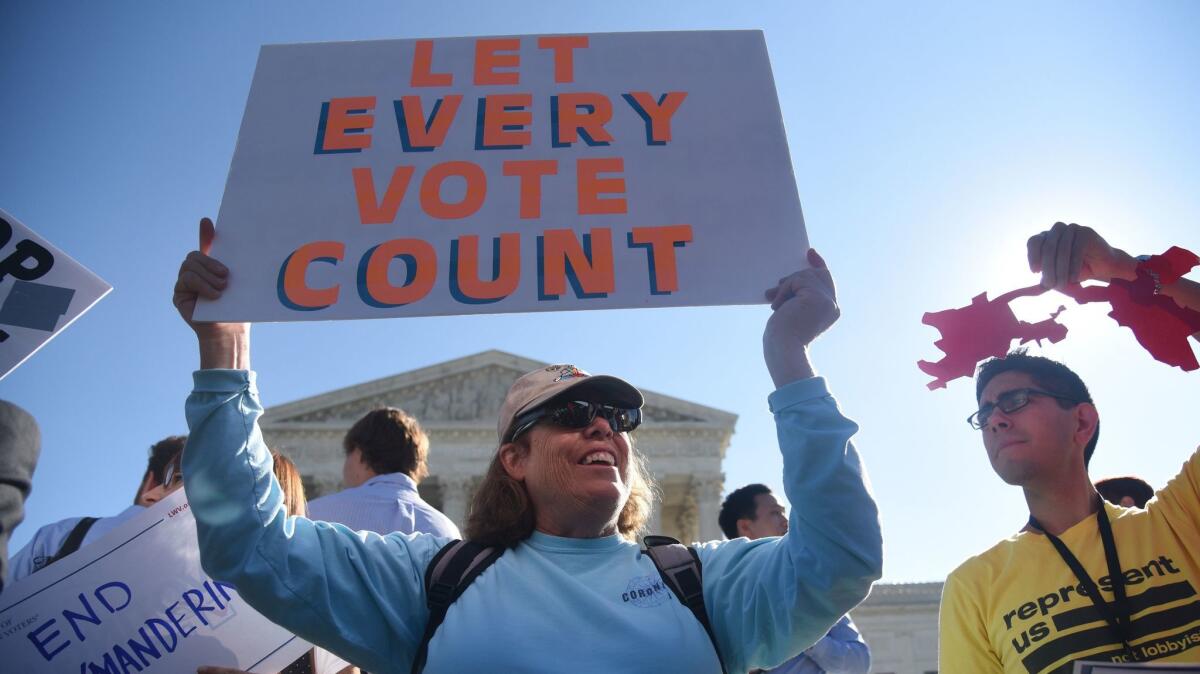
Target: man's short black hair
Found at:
x=162, y=453
x=740, y=505
x=1050, y=375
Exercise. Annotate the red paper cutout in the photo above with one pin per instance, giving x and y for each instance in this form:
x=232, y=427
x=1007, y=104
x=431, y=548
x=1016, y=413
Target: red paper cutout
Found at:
x=1159, y=325
x=987, y=327
x=1171, y=265
x=982, y=329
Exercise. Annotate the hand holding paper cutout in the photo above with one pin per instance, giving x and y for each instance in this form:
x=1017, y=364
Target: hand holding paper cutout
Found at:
x=1065, y=255
x=1068, y=254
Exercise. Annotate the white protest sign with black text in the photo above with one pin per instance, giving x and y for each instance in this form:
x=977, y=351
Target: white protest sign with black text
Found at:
x=42, y=290
x=527, y=173
x=137, y=600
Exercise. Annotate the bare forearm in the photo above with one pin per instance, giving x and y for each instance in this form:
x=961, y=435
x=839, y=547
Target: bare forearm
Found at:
x=1185, y=292
x=225, y=350
x=787, y=366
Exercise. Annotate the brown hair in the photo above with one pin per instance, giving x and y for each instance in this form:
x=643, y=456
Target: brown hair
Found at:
x=291, y=483
x=502, y=514
x=160, y=456
x=391, y=441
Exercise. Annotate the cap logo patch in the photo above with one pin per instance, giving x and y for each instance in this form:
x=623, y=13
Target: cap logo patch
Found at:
x=566, y=372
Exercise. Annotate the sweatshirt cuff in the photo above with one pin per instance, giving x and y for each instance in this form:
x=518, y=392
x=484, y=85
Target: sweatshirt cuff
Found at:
x=797, y=392
x=222, y=381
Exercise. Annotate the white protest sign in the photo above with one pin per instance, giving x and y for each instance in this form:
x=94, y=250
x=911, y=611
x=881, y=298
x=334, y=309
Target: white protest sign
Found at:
x=137, y=600
x=42, y=291
x=486, y=175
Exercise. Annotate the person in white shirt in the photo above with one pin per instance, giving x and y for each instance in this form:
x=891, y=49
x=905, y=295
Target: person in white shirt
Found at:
x=55, y=541
x=386, y=454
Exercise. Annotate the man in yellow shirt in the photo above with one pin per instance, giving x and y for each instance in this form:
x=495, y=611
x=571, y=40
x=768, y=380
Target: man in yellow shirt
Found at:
x=1085, y=579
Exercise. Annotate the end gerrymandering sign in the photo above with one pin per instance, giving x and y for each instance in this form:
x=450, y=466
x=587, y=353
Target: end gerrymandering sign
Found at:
x=42, y=291
x=137, y=600
x=505, y=174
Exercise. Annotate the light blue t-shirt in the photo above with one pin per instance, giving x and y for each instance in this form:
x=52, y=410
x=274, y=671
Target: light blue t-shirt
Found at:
x=551, y=604
x=383, y=504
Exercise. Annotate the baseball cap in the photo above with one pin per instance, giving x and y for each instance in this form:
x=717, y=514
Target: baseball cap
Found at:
x=533, y=389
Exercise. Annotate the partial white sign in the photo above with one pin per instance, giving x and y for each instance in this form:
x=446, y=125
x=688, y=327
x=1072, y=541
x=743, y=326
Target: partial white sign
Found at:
x=503, y=174
x=137, y=600
x=42, y=291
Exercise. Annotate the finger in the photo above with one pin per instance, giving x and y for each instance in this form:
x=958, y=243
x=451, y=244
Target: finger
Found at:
x=211, y=264
x=1062, y=260
x=824, y=279
x=207, y=233
x=815, y=259
x=784, y=292
x=810, y=281
x=1049, y=251
x=216, y=278
x=1033, y=249
x=1075, y=266
x=780, y=292
x=190, y=282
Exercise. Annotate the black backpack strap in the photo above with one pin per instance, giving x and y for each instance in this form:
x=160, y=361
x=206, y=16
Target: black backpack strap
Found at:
x=450, y=573
x=74, y=539
x=679, y=566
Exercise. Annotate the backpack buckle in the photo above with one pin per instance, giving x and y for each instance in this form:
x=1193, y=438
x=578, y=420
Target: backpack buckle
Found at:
x=440, y=594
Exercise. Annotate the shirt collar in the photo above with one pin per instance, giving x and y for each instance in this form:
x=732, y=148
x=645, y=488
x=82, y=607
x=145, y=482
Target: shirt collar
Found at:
x=393, y=479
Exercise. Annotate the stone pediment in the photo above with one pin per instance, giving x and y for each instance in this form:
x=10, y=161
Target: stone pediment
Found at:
x=465, y=392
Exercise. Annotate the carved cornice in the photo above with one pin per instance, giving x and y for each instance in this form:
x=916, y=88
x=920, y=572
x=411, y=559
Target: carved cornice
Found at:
x=893, y=594
x=468, y=389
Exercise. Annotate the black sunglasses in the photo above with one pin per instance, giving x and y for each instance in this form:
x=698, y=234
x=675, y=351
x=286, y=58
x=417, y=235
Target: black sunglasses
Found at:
x=1009, y=402
x=577, y=414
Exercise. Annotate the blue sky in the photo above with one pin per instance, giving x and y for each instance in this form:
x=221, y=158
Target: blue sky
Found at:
x=929, y=140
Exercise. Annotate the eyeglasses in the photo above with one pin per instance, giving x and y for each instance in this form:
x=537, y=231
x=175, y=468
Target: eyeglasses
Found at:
x=172, y=476
x=578, y=414
x=1009, y=402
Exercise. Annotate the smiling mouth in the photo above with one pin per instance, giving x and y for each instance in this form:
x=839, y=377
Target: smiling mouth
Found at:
x=599, y=458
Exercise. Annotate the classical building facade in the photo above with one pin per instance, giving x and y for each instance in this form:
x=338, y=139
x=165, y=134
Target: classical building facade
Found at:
x=684, y=444
x=899, y=623
x=456, y=403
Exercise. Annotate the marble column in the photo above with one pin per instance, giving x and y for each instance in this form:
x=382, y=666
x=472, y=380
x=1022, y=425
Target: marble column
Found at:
x=654, y=526
x=707, y=490
x=455, y=492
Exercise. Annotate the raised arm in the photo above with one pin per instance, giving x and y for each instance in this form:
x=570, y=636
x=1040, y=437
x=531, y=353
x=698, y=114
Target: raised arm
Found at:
x=359, y=595
x=771, y=598
x=1073, y=253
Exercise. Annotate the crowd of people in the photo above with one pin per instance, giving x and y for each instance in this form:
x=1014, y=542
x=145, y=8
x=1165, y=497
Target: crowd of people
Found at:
x=538, y=578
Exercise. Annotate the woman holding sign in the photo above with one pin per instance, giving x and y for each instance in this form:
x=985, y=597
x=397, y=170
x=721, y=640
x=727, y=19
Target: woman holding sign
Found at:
x=567, y=586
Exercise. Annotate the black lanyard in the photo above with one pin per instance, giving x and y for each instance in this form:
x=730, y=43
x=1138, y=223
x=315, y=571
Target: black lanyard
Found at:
x=1118, y=619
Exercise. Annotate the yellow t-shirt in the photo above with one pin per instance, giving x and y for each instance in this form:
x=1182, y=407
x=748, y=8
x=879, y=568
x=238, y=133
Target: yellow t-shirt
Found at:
x=1018, y=608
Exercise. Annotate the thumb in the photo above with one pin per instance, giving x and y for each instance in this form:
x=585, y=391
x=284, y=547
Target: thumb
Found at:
x=820, y=270
x=207, y=232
